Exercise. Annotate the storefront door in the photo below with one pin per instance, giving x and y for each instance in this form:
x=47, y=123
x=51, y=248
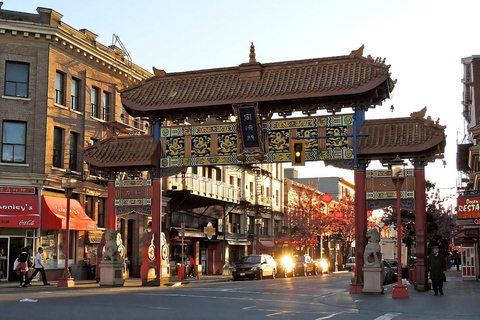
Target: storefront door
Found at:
x=469, y=260
x=14, y=250
x=3, y=259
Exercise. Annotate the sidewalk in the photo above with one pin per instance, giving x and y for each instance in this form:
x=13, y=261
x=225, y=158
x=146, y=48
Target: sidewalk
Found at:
x=131, y=282
x=461, y=300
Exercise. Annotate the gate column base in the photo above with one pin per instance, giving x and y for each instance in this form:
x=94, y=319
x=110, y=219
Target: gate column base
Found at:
x=356, y=288
x=423, y=286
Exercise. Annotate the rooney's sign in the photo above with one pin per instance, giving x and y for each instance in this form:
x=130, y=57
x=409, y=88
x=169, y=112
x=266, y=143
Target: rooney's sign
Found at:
x=468, y=207
x=19, y=211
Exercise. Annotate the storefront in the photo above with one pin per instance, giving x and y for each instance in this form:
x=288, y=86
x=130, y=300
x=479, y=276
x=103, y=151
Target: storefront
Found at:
x=52, y=236
x=19, y=223
x=468, y=220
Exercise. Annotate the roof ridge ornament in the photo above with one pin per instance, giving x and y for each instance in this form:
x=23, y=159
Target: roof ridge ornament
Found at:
x=357, y=53
x=252, y=54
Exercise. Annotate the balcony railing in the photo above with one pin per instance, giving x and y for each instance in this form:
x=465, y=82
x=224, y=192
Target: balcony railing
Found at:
x=204, y=187
x=262, y=200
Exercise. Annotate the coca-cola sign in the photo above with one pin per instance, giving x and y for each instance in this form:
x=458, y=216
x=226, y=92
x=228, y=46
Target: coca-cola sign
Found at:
x=26, y=223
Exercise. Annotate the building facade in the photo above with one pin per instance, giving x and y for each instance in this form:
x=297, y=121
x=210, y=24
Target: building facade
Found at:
x=58, y=96
x=468, y=165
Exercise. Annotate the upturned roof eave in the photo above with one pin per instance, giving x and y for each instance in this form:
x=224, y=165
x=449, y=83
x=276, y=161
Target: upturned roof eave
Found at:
x=134, y=106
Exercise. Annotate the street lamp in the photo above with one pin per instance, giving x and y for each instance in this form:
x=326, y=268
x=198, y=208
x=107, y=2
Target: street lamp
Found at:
x=68, y=183
x=397, y=167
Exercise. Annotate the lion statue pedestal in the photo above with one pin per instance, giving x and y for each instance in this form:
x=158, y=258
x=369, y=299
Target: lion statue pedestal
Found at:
x=373, y=265
x=111, y=267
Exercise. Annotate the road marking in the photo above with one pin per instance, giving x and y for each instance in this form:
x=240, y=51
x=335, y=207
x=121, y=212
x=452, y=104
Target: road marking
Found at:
x=387, y=316
x=330, y=316
x=28, y=300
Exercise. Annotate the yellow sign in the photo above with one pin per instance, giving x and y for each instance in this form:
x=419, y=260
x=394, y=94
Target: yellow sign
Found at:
x=209, y=230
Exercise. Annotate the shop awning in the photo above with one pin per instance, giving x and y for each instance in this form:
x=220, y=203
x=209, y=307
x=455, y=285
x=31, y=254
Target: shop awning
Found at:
x=54, y=211
x=19, y=211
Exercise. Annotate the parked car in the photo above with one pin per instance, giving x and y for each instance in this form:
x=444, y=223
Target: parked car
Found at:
x=305, y=265
x=394, y=265
x=285, y=266
x=255, y=266
x=350, y=264
x=388, y=272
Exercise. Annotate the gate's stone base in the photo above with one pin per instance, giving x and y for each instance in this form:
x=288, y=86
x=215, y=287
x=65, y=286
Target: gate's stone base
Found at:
x=373, y=280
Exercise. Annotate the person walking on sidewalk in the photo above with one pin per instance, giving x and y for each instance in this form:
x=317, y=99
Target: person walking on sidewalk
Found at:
x=38, y=268
x=23, y=264
x=192, y=268
x=437, y=267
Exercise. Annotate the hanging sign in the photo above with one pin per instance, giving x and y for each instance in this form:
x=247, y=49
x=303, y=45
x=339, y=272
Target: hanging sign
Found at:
x=249, y=129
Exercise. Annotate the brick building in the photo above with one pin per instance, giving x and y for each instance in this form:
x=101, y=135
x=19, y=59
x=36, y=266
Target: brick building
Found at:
x=58, y=95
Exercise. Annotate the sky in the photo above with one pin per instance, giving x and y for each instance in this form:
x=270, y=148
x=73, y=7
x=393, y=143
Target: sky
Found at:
x=423, y=41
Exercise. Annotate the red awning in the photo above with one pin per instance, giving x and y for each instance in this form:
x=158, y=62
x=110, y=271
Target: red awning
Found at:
x=19, y=211
x=54, y=211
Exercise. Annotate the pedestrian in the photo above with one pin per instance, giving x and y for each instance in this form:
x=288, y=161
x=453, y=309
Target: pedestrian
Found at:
x=192, y=268
x=23, y=264
x=458, y=261
x=38, y=268
x=437, y=267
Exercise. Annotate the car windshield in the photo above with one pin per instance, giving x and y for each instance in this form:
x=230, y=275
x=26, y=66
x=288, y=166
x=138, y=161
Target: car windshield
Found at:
x=393, y=263
x=300, y=259
x=250, y=260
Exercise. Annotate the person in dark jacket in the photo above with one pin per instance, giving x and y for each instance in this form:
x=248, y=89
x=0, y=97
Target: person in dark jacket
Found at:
x=437, y=267
x=23, y=264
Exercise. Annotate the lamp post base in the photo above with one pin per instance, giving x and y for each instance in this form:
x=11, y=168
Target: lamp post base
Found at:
x=66, y=283
x=400, y=291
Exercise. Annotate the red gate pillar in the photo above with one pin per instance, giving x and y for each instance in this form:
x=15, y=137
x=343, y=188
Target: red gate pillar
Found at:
x=360, y=225
x=156, y=191
x=421, y=270
x=111, y=214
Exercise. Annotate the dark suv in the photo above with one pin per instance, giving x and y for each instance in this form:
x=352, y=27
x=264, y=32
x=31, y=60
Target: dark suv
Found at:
x=255, y=266
x=305, y=265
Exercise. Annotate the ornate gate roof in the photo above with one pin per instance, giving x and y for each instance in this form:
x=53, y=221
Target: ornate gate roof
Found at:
x=307, y=85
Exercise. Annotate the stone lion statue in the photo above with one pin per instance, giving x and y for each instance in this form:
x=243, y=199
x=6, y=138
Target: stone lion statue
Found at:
x=372, y=256
x=111, y=248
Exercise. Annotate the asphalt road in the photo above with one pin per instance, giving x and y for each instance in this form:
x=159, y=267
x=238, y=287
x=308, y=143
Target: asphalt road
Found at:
x=312, y=297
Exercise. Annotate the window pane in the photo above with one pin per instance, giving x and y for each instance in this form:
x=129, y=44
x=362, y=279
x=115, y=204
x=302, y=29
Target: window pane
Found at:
x=10, y=89
x=16, y=72
x=19, y=153
x=7, y=152
x=58, y=81
x=22, y=90
x=14, y=132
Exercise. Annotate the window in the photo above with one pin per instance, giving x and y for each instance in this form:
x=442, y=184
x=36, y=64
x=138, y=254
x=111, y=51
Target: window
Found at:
x=57, y=147
x=106, y=105
x=72, y=161
x=13, y=141
x=101, y=212
x=59, y=88
x=74, y=93
x=277, y=197
x=94, y=102
x=16, y=79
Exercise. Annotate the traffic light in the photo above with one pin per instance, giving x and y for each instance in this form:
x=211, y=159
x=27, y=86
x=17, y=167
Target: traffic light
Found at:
x=298, y=152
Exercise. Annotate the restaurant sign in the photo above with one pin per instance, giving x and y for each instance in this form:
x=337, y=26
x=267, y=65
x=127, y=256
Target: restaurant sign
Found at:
x=468, y=207
x=19, y=211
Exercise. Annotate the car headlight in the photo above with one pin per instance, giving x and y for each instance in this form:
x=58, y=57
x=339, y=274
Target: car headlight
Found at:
x=254, y=269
